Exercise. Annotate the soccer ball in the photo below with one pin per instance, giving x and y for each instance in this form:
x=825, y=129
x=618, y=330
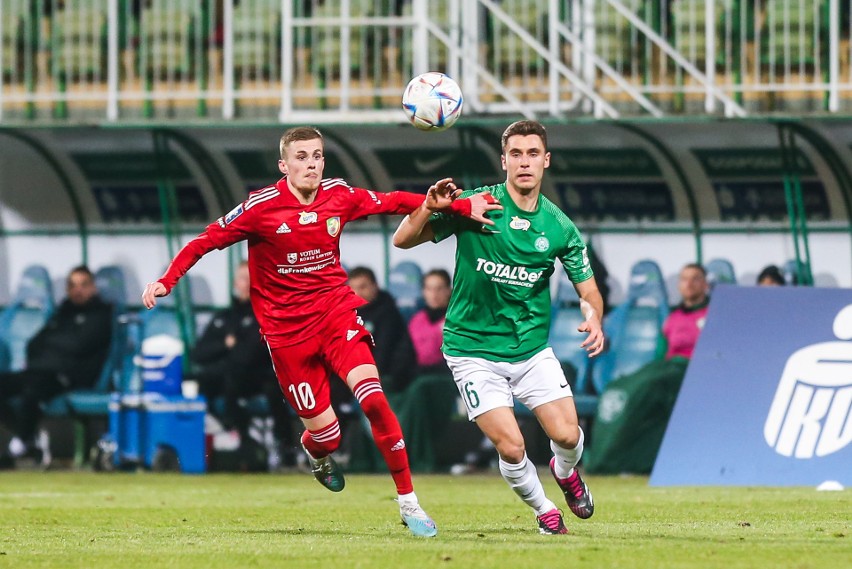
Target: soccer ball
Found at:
x=432, y=101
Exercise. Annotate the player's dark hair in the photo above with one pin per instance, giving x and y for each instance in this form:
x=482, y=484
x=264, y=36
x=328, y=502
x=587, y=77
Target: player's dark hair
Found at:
x=296, y=134
x=524, y=128
x=440, y=273
x=696, y=266
x=363, y=272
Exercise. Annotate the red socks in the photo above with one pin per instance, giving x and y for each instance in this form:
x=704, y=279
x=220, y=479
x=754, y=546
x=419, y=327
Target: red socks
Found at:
x=323, y=442
x=386, y=432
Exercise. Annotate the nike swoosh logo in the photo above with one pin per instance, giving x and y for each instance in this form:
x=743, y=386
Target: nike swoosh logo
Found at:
x=564, y=384
x=432, y=164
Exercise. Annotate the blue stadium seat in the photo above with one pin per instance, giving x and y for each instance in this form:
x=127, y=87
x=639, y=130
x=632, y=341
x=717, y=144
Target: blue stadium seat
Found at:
x=565, y=341
x=720, y=271
x=29, y=311
x=790, y=270
x=404, y=286
x=634, y=328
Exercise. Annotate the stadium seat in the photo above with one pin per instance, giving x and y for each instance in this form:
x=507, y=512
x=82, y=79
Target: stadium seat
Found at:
x=565, y=341
x=257, y=38
x=12, y=32
x=689, y=20
x=613, y=41
x=29, y=311
x=789, y=32
x=167, y=30
x=720, y=271
x=78, y=42
x=792, y=272
x=634, y=328
x=404, y=286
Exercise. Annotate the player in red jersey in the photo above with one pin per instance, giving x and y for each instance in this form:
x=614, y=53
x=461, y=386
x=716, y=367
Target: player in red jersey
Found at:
x=305, y=308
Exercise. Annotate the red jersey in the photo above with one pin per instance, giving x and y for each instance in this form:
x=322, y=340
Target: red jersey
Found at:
x=294, y=252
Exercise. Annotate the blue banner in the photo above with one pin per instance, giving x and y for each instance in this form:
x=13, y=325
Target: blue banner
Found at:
x=767, y=398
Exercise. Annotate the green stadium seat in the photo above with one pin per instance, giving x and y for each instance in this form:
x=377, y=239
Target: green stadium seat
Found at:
x=13, y=44
x=790, y=29
x=613, y=41
x=78, y=43
x=689, y=20
x=167, y=30
x=257, y=38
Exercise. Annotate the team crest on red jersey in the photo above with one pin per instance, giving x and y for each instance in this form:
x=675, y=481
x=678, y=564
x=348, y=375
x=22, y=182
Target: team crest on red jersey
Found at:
x=292, y=257
x=333, y=226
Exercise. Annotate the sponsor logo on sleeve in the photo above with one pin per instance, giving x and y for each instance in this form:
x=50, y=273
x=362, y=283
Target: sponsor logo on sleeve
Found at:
x=332, y=224
x=307, y=217
x=234, y=214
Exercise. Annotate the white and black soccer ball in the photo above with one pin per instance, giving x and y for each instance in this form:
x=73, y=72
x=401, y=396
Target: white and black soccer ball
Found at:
x=432, y=101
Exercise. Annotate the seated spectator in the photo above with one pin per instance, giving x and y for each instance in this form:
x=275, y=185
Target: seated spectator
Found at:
x=426, y=327
x=393, y=351
x=684, y=323
x=395, y=360
x=634, y=409
x=770, y=276
x=68, y=353
x=235, y=365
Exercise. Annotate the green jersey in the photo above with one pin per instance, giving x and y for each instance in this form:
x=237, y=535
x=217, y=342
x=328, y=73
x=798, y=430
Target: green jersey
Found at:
x=500, y=307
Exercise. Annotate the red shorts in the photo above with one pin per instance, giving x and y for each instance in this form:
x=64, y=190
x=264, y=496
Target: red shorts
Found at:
x=303, y=369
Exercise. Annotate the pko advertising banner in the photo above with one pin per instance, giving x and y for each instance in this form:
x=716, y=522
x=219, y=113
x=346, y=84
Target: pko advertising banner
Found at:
x=767, y=397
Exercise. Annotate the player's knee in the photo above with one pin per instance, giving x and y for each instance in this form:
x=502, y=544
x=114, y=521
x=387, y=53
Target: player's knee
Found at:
x=511, y=451
x=567, y=438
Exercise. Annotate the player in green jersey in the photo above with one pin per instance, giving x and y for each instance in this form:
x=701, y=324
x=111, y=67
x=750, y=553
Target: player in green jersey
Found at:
x=496, y=332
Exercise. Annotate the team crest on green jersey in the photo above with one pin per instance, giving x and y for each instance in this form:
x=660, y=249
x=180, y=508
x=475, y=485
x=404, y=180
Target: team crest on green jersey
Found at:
x=542, y=244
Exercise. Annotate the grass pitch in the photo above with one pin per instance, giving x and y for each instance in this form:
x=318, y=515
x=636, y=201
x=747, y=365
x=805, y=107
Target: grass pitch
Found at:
x=69, y=519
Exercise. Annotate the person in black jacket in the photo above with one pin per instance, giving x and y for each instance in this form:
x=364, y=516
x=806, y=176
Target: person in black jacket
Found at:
x=235, y=365
x=68, y=353
x=394, y=352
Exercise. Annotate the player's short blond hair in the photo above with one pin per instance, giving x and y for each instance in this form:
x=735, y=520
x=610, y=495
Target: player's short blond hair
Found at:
x=524, y=128
x=298, y=133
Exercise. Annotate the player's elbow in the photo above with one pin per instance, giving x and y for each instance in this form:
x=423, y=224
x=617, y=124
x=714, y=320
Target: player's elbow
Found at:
x=401, y=241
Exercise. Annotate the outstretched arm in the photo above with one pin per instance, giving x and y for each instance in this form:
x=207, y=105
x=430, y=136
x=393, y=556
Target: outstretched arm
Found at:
x=416, y=229
x=591, y=305
x=183, y=261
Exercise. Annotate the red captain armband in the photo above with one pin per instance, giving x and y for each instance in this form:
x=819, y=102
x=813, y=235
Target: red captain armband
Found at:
x=463, y=206
x=460, y=207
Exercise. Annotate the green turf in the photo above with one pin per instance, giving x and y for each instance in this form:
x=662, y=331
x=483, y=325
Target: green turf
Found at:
x=68, y=519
